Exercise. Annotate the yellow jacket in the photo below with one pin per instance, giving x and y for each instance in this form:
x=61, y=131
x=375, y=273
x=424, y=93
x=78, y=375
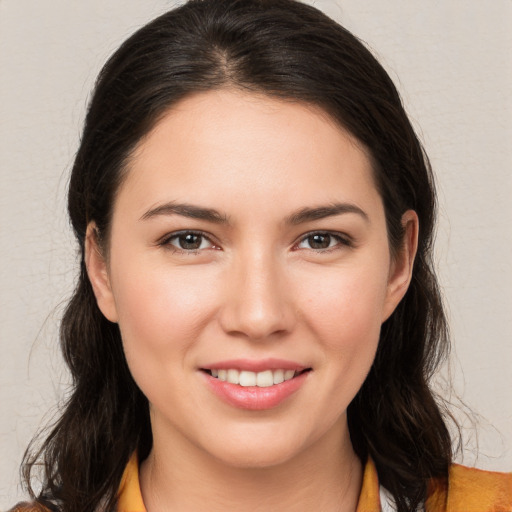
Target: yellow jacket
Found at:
x=469, y=490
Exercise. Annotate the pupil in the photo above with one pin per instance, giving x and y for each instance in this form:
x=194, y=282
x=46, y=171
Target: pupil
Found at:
x=190, y=241
x=319, y=241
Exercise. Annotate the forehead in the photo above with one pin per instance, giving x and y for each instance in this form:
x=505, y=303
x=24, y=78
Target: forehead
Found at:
x=228, y=145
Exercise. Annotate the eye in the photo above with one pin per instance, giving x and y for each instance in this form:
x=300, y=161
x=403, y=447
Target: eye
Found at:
x=188, y=241
x=321, y=241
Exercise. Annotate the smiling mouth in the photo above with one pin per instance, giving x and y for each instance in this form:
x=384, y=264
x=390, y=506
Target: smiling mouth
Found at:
x=262, y=379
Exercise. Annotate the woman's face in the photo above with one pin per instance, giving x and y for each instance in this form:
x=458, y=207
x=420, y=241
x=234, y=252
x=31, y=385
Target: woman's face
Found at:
x=248, y=246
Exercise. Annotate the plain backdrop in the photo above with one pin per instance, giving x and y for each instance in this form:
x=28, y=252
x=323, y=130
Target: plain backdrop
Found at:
x=452, y=61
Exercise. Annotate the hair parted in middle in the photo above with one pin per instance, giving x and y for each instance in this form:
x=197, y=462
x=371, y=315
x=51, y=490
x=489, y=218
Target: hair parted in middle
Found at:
x=283, y=49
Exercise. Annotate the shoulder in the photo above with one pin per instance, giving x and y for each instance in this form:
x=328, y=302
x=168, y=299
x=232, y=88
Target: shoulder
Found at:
x=483, y=488
x=28, y=507
x=472, y=490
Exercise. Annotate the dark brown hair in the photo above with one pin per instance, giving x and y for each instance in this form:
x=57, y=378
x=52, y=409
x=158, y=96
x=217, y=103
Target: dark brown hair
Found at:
x=288, y=50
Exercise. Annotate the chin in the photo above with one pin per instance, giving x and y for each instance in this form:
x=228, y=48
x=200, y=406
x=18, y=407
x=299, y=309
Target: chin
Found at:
x=259, y=450
x=255, y=458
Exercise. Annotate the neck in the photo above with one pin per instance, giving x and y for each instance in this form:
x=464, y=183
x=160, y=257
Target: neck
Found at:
x=325, y=476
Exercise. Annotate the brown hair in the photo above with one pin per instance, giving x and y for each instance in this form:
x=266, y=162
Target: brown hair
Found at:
x=284, y=49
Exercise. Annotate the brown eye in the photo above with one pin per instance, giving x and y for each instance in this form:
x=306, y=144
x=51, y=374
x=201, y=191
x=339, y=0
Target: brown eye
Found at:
x=189, y=241
x=321, y=241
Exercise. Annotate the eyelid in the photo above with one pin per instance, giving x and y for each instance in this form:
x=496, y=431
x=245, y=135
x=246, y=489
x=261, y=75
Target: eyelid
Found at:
x=166, y=239
x=343, y=239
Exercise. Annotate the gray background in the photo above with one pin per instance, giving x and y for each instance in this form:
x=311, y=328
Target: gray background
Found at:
x=451, y=59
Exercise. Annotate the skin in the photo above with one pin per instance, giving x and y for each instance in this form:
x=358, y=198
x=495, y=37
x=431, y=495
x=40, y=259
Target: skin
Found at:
x=257, y=287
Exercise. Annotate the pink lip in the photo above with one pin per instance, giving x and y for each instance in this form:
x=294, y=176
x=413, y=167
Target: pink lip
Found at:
x=254, y=398
x=256, y=365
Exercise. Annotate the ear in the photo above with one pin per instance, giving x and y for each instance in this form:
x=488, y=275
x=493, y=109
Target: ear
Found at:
x=400, y=271
x=97, y=270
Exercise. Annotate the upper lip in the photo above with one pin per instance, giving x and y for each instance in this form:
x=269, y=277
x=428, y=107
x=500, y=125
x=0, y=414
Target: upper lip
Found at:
x=255, y=365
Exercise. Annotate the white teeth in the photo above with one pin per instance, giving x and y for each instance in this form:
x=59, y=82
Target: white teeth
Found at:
x=288, y=374
x=265, y=379
x=245, y=378
x=278, y=376
x=233, y=377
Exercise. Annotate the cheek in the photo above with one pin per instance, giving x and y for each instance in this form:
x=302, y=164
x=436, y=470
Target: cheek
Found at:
x=161, y=315
x=349, y=304
x=346, y=316
x=160, y=312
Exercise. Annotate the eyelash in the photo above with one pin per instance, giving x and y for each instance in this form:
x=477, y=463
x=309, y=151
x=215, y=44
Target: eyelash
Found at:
x=166, y=241
x=342, y=241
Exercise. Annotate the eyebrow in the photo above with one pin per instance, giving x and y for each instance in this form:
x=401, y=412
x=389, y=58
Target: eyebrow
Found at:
x=186, y=210
x=321, y=212
x=301, y=216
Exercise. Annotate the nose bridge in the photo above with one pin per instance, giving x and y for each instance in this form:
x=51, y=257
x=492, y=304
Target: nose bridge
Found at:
x=257, y=305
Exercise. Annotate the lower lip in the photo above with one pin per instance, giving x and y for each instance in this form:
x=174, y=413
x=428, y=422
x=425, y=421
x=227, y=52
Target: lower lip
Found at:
x=255, y=398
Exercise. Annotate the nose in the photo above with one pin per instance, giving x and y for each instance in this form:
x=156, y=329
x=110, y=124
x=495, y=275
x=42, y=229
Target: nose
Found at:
x=257, y=303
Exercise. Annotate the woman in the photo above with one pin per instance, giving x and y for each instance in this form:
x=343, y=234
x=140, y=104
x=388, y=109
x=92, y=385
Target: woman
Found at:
x=257, y=318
